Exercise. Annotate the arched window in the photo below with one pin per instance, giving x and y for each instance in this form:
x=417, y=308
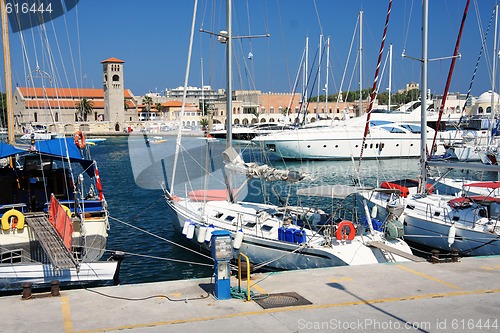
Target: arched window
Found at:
x=116, y=78
x=56, y=117
x=480, y=110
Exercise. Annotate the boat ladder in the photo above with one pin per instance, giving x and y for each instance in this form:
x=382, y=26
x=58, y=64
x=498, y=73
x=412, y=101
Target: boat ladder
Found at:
x=51, y=242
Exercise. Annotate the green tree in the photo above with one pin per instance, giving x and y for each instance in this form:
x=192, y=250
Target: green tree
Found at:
x=147, y=101
x=204, y=123
x=84, y=107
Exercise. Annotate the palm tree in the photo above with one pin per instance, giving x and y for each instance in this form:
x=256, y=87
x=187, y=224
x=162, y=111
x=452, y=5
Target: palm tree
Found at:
x=204, y=124
x=147, y=101
x=84, y=107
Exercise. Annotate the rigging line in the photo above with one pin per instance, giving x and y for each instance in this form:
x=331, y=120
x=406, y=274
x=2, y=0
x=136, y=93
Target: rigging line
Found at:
x=147, y=208
x=448, y=80
x=477, y=61
x=250, y=42
x=339, y=96
x=79, y=44
x=284, y=44
x=305, y=103
x=162, y=258
x=186, y=78
x=159, y=237
x=317, y=16
x=408, y=27
x=375, y=81
x=70, y=51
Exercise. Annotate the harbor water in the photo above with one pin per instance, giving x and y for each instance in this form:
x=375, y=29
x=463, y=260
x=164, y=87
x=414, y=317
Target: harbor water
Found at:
x=142, y=225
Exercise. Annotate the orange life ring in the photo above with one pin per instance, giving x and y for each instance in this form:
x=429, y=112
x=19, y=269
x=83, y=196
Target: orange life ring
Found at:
x=341, y=230
x=79, y=139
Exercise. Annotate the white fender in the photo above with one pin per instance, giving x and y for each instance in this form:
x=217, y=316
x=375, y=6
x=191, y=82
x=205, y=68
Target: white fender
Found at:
x=374, y=211
x=238, y=239
x=185, y=227
x=190, y=230
x=451, y=235
x=208, y=235
x=202, y=232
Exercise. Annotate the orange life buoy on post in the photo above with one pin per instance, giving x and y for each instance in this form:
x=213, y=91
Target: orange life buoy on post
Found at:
x=341, y=233
x=79, y=139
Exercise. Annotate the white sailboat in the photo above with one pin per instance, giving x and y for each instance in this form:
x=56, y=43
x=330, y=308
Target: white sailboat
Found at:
x=469, y=223
x=54, y=217
x=276, y=237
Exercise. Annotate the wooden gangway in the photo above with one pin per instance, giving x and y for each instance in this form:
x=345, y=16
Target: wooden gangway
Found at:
x=395, y=251
x=51, y=242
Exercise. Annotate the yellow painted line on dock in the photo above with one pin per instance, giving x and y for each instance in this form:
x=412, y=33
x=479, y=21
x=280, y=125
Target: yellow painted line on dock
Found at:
x=66, y=314
x=490, y=268
x=259, y=289
x=293, y=308
x=342, y=279
x=428, y=277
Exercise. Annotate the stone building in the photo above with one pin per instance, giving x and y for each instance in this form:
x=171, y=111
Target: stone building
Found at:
x=56, y=109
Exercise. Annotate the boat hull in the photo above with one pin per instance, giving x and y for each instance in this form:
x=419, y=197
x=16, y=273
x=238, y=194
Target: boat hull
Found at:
x=435, y=235
x=341, y=143
x=12, y=276
x=282, y=255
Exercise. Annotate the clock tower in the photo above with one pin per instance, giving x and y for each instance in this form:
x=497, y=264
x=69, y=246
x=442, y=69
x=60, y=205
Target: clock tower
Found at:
x=113, y=93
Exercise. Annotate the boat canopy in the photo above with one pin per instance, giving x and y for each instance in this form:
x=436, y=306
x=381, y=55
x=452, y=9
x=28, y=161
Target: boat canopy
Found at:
x=7, y=150
x=339, y=191
x=492, y=184
x=54, y=148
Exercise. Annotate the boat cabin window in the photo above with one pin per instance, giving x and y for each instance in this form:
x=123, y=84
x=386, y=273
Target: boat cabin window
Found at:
x=229, y=218
x=266, y=228
x=250, y=224
x=412, y=128
x=393, y=129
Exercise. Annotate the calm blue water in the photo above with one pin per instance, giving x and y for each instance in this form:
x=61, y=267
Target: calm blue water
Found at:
x=144, y=207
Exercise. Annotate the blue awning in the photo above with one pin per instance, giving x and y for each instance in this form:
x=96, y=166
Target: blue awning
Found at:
x=57, y=147
x=7, y=150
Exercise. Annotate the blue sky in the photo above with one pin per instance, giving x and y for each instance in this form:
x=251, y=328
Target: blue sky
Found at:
x=152, y=37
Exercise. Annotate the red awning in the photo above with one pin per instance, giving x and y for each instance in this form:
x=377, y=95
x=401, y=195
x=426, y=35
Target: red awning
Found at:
x=492, y=184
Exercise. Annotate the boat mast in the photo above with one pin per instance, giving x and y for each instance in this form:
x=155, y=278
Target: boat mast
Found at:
x=450, y=74
x=327, y=72
x=493, y=73
x=229, y=74
x=423, y=97
x=390, y=78
x=375, y=81
x=186, y=80
x=360, y=109
x=319, y=73
x=8, y=74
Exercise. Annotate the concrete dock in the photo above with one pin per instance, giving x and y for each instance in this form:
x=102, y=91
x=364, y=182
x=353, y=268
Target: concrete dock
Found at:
x=422, y=297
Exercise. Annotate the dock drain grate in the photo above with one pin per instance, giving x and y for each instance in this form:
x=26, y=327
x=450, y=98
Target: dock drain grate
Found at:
x=282, y=300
